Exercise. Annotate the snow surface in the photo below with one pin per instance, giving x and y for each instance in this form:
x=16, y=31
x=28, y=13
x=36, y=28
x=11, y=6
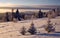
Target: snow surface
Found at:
x=12, y=29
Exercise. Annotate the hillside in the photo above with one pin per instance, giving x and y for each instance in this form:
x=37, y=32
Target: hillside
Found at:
x=12, y=29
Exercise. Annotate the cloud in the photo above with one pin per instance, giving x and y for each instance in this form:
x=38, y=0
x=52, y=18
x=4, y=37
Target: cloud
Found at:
x=11, y=5
x=7, y=5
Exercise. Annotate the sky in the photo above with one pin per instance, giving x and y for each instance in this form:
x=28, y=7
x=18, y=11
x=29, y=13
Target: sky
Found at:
x=8, y=3
x=28, y=2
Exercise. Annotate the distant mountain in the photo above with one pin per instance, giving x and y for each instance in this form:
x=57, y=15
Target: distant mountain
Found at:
x=32, y=7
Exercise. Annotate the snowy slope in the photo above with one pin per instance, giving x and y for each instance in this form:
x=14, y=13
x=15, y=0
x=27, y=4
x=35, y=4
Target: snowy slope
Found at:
x=12, y=29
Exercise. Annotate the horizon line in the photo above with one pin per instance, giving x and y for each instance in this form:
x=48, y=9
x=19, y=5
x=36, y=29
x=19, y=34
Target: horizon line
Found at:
x=30, y=7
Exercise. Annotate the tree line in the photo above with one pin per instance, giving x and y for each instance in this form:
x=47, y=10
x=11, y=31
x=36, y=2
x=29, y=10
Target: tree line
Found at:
x=18, y=15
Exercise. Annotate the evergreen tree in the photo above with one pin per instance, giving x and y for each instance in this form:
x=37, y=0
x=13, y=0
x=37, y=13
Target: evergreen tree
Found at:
x=23, y=30
x=40, y=14
x=32, y=29
x=53, y=10
x=50, y=27
x=12, y=15
x=7, y=17
x=23, y=16
x=17, y=15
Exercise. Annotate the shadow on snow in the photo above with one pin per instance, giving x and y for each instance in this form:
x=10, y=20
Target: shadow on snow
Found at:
x=57, y=34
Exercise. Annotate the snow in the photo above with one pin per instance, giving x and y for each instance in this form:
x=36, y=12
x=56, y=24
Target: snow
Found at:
x=12, y=29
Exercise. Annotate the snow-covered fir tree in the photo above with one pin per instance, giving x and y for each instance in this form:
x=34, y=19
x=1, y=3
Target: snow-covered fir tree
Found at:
x=7, y=17
x=17, y=15
x=32, y=29
x=50, y=27
x=23, y=30
x=40, y=14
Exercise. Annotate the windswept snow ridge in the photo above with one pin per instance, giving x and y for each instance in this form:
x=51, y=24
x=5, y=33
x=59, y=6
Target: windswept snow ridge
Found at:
x=12, y=29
